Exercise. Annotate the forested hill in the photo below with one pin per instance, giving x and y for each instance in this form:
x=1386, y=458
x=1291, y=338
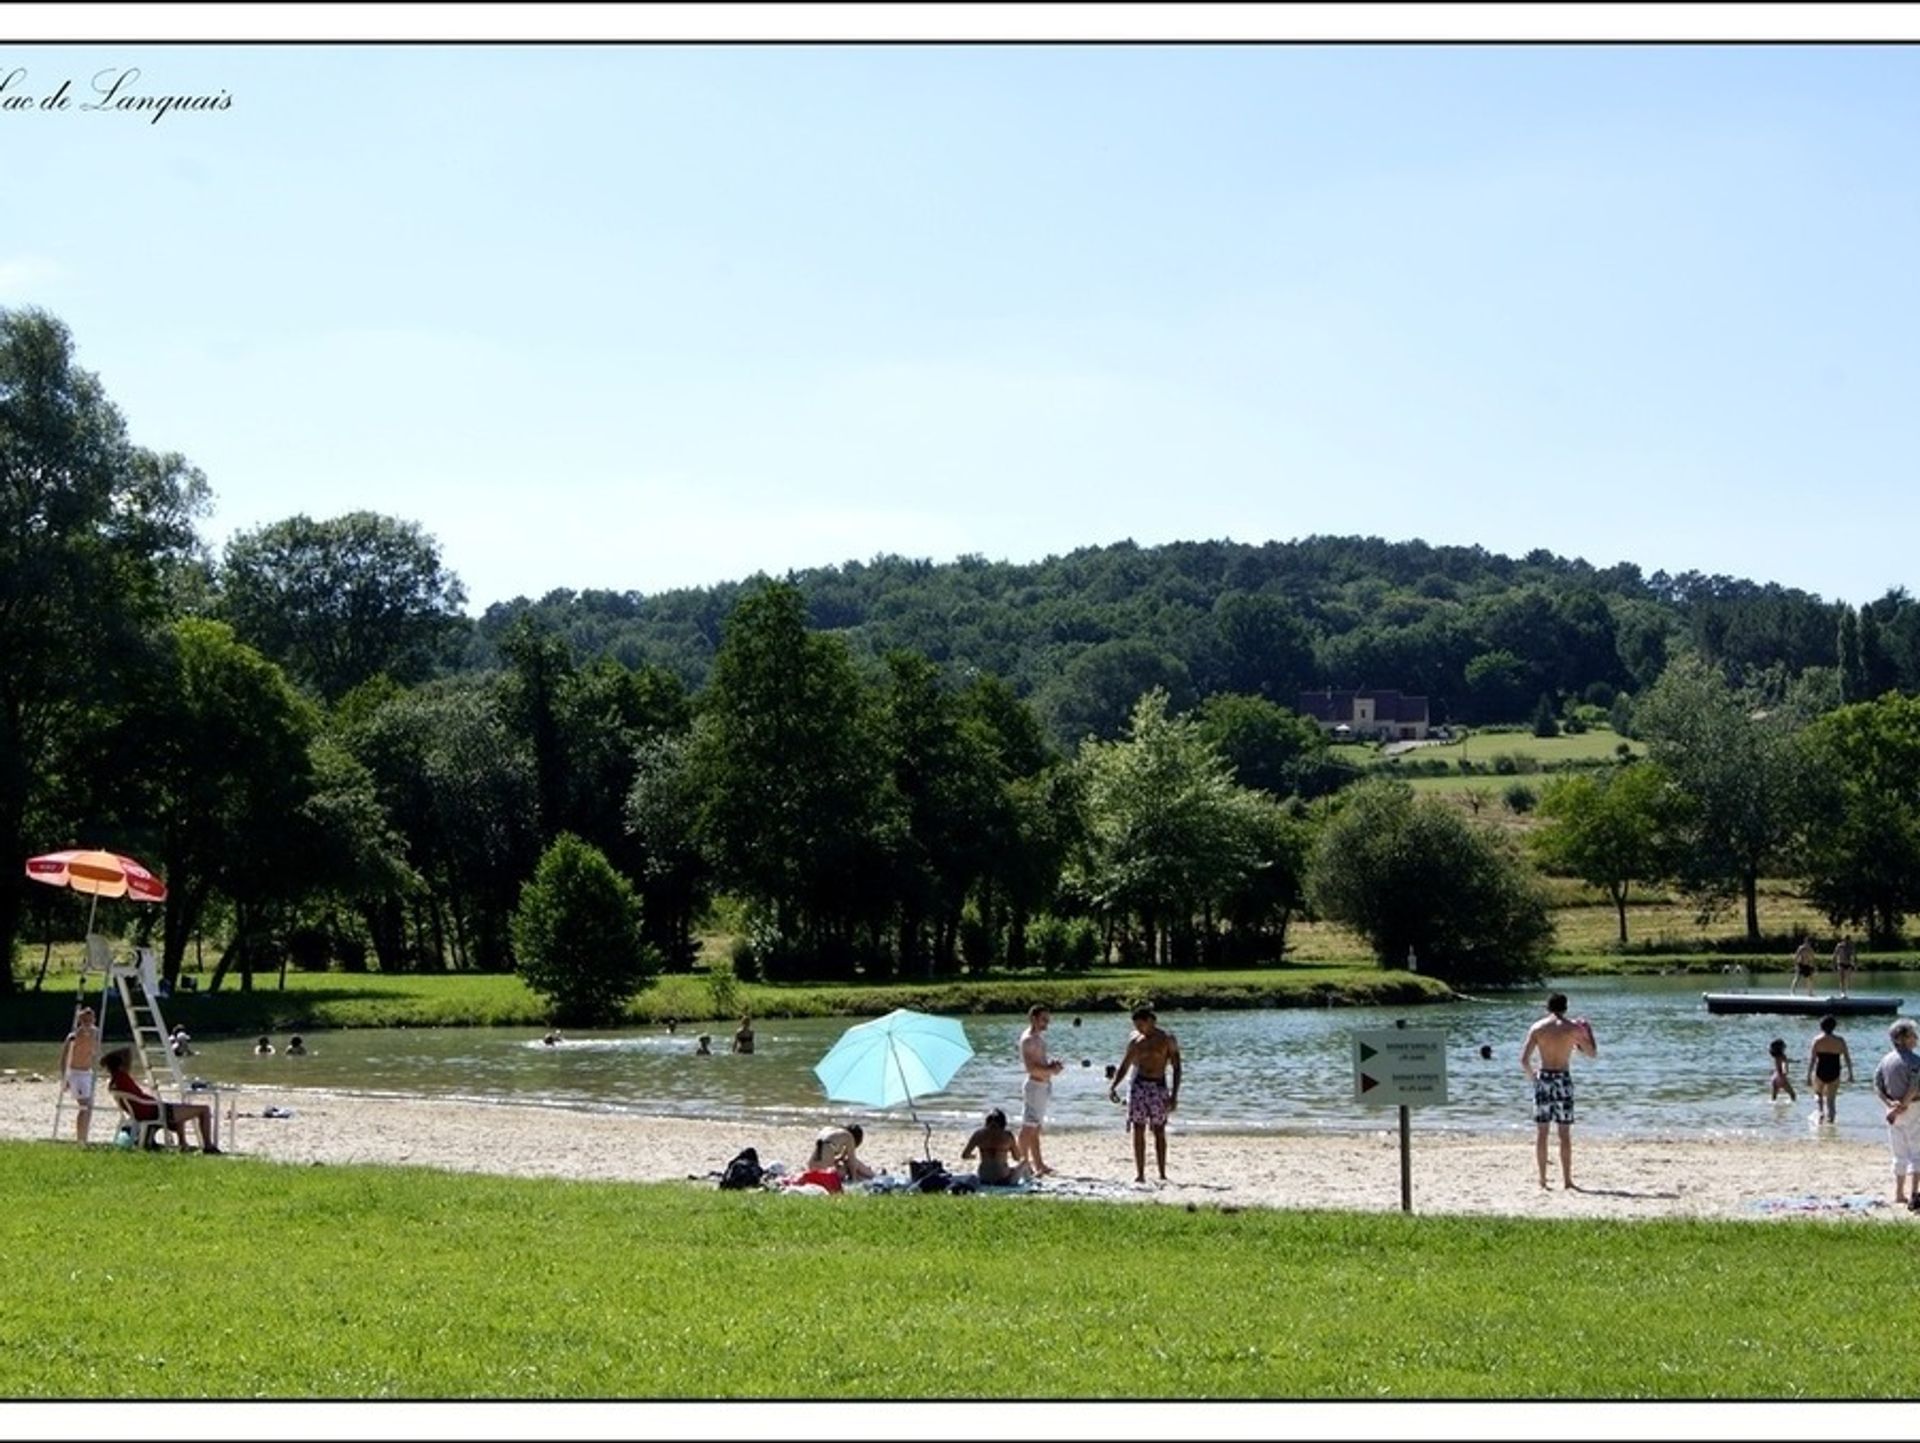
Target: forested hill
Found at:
x=1483, y=636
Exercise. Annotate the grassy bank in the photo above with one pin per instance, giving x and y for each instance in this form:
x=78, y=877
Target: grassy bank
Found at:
x=278, y=1282
x=314, y=1001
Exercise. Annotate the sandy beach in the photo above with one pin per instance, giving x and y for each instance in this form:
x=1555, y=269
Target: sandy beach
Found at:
x=1615, y=1178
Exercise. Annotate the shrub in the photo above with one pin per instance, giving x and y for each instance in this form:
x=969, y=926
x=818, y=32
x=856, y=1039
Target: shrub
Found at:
x=1411, y=875
x=1519, y=798
x=576, y=935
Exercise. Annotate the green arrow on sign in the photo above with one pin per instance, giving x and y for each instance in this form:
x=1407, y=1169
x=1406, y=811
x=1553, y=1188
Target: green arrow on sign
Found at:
x=1366, y=1052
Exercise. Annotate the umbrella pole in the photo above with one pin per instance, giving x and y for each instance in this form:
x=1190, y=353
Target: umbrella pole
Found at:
x=926, y=1141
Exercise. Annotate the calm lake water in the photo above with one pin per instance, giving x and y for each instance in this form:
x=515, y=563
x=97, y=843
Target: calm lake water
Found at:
x=1666, y=1067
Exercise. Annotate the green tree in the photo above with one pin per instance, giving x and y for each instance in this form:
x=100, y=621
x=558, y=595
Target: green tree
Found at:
x=1268, y=650
x=1270, y=747
x=662, y=806
x=1861, y=854
x=1545, y=724
x=1413, y=878
x=576, y=935
x=228, y=781
x=1738, y=764
x=1612, y=831
x=91, y=529
x=1171, y=837
x=1853, y=675
x=338, y=601
x=795, y=811
x=947, y=775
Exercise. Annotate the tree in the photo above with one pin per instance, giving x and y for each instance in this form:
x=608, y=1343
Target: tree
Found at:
x=795, y=811
x=1171, y=837
x=1268, y=651
x=1611, y=831
x=1861, y=855
x=1739, y=767
x=338, y=601
x=1545, y=724
x=576, y=935
x=1271, y=748
x=1095, y=693
x=91, y=527
x=1853, y=675
x=1412, y=878
x=228, y=778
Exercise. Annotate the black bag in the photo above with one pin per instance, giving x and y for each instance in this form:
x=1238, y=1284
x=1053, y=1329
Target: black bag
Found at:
x=928, y=1174
x=743, y=1172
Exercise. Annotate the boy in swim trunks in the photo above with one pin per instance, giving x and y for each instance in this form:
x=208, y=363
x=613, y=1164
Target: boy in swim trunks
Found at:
x=1553, y=1039
x=76, y=1068
x=1150, y=1101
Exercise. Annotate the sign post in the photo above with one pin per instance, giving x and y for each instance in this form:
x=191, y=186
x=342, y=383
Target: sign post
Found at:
x=1404, y=1068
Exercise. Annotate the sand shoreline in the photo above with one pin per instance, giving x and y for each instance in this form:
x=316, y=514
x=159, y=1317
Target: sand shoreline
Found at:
x=1452, y=1173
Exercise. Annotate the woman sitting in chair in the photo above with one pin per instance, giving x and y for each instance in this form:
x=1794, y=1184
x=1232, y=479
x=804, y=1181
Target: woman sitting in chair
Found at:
x=143, y=1106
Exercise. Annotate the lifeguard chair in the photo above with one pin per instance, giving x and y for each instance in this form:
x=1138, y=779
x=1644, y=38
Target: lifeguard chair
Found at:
x=137, y=985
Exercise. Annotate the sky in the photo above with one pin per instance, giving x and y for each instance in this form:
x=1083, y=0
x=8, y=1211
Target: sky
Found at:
x=639, y=317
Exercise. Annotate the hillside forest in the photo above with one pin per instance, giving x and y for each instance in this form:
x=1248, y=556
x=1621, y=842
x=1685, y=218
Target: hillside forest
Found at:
x=894, y=768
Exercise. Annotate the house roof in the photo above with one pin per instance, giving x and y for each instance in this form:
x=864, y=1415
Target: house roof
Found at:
x=1333, y=707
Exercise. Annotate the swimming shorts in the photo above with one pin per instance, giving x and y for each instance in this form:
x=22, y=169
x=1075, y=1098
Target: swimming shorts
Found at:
x=1803, y=969
x=1147, y=1103
x=1033, y=1103
x=1553, y=1095
x=80, y=1084
x=1826, y=1066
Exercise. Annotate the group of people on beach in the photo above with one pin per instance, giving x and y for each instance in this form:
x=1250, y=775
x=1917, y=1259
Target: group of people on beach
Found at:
x=1006, y=1158
x=1547, y=1055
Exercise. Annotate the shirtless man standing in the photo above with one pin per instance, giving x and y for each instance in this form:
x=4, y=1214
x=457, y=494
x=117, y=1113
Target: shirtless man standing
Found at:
x=1554, y=1039
x=1150, y=1101
x=1040, y=1070
x=76, y=1068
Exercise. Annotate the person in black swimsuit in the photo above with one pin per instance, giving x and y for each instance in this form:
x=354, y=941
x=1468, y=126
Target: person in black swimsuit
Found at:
x=1824, y=1060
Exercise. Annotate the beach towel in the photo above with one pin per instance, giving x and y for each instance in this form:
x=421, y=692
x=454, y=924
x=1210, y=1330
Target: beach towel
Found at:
x=1809, y=1203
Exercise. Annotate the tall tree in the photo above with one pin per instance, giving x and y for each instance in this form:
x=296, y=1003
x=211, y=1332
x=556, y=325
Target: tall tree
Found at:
x=1862, y=848
x=228, y=778
x=1738, y=764
x=90, y=526
x=795, y=803
x=338, y=601
x=1171, y=836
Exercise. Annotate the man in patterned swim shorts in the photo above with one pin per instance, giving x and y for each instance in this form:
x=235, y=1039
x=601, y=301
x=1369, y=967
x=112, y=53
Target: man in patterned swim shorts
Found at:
x=1554, y=1040
x=1150, y=1101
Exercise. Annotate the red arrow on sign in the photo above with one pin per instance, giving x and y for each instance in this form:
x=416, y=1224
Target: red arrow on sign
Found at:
x=1367, y=1084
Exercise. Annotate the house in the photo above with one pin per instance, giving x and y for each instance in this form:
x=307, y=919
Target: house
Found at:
x=1364, y=713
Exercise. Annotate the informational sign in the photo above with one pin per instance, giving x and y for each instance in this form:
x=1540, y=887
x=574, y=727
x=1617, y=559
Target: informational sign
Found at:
x=1401, y=1067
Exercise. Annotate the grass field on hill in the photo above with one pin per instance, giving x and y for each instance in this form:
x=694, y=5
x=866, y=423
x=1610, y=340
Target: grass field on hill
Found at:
x=189, y=1277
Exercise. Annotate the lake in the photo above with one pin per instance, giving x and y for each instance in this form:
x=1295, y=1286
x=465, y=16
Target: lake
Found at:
x=1666, y=1067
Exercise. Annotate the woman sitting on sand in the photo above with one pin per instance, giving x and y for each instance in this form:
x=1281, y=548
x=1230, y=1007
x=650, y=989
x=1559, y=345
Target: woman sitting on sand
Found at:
x=999, y=1153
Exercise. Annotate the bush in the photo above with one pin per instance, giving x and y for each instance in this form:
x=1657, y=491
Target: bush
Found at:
x=576, y=935
x=1064, y=944
x=310, y=948
x=1412, y=875
x=1519, y=798
x=976, y=943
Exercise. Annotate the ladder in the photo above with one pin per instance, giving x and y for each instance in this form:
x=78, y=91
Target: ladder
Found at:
x=137, y=984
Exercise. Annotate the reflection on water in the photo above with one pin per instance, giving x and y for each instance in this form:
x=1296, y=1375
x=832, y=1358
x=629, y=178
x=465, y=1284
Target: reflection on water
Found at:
x=1666, y=1067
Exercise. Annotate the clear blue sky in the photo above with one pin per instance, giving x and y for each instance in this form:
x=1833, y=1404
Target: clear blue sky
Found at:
x=637, y=318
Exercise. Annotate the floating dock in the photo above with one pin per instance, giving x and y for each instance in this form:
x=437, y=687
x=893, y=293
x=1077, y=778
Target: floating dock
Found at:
x=1854, y=1005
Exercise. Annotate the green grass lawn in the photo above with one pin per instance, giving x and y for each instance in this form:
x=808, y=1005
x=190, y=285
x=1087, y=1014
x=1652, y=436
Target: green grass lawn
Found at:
x=136, y=1275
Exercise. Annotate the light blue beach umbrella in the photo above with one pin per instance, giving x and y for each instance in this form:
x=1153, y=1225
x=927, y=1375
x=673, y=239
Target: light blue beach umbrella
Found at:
x=894, y=1059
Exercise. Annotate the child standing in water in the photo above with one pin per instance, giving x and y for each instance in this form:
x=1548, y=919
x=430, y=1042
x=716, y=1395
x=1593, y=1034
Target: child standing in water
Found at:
x=1777, y=1050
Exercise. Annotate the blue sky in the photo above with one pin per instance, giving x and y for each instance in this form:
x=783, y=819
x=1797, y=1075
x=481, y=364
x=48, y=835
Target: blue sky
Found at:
x=645, y=317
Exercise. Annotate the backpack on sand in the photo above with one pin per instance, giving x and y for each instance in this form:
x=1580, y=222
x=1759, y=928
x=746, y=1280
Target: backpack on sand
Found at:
x=743, y=1172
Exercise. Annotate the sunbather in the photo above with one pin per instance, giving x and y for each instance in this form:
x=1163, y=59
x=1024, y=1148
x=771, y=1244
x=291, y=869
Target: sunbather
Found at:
x=999, y=1150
